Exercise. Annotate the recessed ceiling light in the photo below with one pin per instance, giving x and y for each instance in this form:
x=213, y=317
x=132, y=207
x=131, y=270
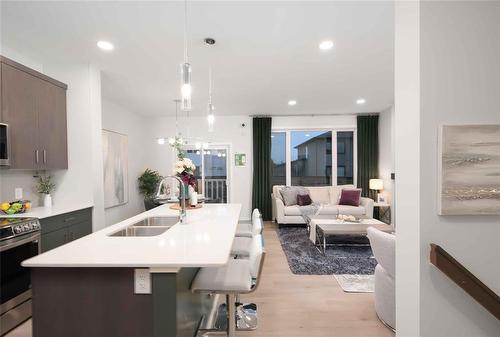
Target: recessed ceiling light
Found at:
x=292, y=103
x=360, y=101
x=326, y=45
x=105, y=45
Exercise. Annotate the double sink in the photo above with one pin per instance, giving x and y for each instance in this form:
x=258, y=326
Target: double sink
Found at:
x=148, y=227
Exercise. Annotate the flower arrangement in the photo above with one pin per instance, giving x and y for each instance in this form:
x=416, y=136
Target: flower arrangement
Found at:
x=184, y=168
x=177, y=143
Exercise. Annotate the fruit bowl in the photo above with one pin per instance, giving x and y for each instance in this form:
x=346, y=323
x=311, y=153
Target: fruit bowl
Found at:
x=15, y=207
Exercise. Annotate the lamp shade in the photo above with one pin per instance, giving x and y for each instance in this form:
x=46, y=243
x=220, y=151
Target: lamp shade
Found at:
x=376, y=184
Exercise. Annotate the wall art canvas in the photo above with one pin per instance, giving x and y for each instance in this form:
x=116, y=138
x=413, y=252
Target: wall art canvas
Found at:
x=115, y=160
x=469, y=170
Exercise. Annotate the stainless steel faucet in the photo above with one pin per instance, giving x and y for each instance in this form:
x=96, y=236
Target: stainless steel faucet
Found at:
x=182, y=196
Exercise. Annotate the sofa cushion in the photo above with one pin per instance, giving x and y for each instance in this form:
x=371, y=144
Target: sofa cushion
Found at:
x=289, y=194
x=351, y=210
x=320, y=194
x=329, y=210
x=335, y=192
x=350, y=197
x=303, y=199
x=292, y=210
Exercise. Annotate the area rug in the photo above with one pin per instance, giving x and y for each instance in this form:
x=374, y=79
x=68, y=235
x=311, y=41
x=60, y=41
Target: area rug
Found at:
x=305, y=259
x=356, y=283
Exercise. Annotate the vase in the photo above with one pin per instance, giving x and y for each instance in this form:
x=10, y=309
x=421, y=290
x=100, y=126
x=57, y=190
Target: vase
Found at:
x=193, y=197
x=185, y=194
x=47, y=200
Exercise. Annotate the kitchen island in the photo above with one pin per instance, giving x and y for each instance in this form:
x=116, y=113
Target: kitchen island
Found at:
x=123, y=282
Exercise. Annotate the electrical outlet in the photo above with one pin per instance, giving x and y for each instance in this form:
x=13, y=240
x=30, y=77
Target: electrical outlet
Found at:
x=142, y=284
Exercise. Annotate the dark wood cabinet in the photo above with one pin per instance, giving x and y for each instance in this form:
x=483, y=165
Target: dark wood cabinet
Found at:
x=61, y=229
x=34, y=106
x=52, y=137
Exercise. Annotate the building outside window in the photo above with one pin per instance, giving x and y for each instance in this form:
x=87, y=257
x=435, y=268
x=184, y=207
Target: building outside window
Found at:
x=312, y=157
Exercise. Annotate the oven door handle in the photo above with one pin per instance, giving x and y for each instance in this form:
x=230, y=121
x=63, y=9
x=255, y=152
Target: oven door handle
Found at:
x=20, y=241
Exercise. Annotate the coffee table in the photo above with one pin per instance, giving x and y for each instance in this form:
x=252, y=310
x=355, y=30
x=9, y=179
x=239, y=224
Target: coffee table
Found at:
x=320, y=229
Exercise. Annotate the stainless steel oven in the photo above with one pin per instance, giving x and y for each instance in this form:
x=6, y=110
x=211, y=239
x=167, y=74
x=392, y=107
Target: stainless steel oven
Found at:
x=19, y=240
x=4, y=145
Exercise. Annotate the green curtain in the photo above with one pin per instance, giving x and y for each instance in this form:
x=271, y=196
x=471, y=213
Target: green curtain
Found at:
x=367, y=153
x=261, y=189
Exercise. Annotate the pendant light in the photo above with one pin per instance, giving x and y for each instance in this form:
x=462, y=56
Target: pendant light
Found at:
x=178, y=136
x=210, y=107
x=185, y=70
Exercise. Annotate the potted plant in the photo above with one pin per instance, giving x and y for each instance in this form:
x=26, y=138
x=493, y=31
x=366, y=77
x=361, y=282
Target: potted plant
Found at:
x=148, y=183
x=45, y=186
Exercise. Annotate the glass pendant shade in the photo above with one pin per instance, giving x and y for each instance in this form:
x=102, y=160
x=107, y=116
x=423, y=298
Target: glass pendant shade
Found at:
x=186, y=86
x=211, y=117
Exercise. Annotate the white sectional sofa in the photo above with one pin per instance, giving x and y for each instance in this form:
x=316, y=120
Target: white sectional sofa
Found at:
x=327, y=196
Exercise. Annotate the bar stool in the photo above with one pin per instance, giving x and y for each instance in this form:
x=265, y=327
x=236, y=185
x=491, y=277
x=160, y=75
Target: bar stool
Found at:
x=238, y=276
x=242, y=244
x=245, y=229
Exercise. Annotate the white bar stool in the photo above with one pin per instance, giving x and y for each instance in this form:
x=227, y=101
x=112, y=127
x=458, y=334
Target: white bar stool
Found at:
x=245, y=229
x=234, y=278
x=241, y=244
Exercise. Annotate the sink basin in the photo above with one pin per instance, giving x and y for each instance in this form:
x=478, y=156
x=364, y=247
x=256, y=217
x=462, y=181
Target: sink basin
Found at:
x=148, y=227
x=157, y=221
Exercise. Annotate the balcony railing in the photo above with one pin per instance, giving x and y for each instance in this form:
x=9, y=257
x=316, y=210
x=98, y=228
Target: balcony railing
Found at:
x=215, y=190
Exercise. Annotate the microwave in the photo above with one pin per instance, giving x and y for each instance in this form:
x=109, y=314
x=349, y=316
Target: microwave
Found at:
x=4, y=145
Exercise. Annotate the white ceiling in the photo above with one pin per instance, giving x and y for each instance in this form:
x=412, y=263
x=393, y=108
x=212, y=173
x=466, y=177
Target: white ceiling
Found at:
x=266, y=52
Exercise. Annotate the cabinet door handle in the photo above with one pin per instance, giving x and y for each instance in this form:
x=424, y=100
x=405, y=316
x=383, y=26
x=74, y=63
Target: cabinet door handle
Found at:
x=44, y=156
x=36, y=156
x=69, y=219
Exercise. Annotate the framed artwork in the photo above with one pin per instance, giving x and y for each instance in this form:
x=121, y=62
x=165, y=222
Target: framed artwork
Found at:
x=469, y=170
x=115, y=160
x=240, y=159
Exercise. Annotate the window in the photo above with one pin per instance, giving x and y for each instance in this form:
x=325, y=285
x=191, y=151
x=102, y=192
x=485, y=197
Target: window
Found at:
x=311, y=158
x=345, y=160
x=278, y=158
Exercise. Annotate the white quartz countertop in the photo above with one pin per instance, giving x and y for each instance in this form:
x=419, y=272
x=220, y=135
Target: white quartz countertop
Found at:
x=205, y=239
x=47, y=212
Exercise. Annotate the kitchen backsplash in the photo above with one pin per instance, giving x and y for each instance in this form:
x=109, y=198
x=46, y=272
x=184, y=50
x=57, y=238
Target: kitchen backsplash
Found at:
x=10, y=180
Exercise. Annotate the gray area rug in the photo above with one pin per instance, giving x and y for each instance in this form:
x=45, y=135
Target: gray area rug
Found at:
x=305, y=259
x=356, y=283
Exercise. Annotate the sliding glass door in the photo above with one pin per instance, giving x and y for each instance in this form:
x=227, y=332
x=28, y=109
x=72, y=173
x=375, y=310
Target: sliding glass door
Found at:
x=313, y=157
x=211, y=172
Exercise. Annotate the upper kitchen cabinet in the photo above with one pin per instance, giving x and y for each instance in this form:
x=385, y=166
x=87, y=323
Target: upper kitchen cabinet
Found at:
x=34, y=107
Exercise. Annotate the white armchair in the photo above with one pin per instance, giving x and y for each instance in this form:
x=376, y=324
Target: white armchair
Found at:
x=384, y=249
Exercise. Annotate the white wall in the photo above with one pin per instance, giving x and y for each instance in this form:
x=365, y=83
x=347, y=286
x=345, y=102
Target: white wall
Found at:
x=314, y=122
x=118, y=119
x=227, y=130
x=460, y=84
x=407, y=167
x=386, y=152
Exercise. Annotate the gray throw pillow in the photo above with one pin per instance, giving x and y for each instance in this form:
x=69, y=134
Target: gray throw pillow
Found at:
x=289, y=194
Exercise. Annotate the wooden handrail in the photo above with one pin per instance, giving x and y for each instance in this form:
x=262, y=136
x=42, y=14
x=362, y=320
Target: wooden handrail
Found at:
x=465, y=280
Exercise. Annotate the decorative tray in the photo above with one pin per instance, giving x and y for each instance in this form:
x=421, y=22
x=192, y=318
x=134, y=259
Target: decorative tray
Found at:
x=188, y=207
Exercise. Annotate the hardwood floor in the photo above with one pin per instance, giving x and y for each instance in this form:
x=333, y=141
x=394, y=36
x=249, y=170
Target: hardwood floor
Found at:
x=299, y=305
x=308, y=305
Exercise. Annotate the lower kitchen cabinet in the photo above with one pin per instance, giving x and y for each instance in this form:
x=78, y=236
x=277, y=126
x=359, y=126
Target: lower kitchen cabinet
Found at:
x=61, y=229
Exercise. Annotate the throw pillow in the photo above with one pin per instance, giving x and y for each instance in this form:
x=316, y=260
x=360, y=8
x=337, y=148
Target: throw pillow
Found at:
x=303, y=199
x=350, y=197
x=289, y=194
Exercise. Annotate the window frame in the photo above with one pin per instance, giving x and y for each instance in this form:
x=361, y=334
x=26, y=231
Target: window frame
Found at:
x=288, y=150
